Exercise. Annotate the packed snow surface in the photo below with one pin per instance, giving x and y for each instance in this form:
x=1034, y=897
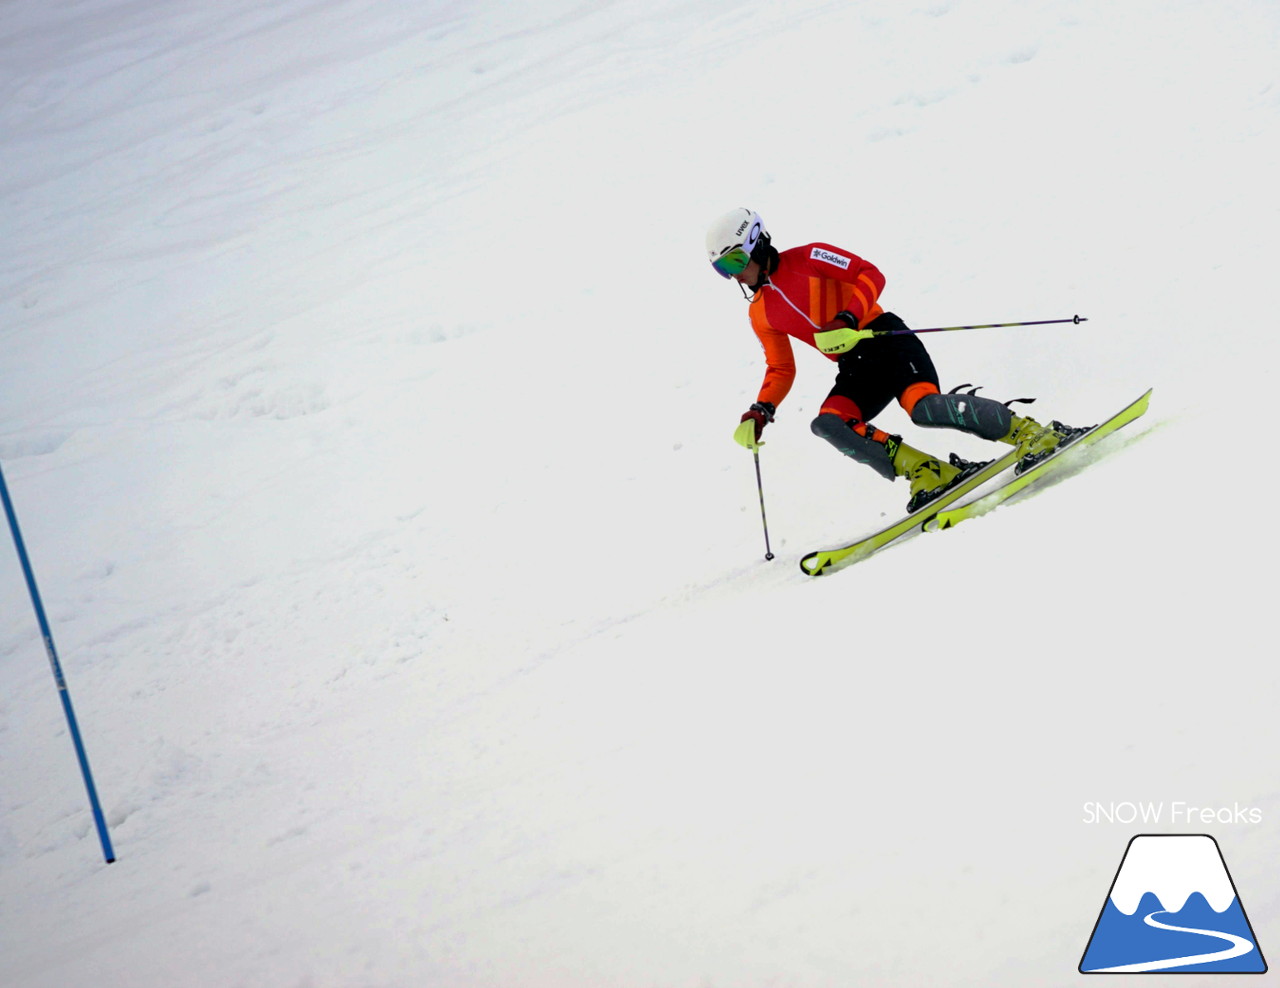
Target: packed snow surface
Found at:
x=366, y=402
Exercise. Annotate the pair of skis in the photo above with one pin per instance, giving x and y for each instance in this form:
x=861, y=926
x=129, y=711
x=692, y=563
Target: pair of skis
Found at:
x=945, y=511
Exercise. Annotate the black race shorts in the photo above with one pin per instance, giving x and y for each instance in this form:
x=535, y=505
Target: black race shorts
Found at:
x=877, y=371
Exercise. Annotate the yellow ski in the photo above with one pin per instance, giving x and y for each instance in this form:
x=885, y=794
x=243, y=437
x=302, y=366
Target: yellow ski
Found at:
x=950, y=517
x=819, y=562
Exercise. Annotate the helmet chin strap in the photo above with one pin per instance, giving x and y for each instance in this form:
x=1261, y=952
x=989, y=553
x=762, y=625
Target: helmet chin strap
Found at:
x=767, y=264
x=760, y=283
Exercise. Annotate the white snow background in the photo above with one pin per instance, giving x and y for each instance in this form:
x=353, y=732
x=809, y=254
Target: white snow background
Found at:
x=366, y=401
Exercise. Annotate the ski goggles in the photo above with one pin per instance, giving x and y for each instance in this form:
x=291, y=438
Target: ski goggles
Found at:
x=731, y=262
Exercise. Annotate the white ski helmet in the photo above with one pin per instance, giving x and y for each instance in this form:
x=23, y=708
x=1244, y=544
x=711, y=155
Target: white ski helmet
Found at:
x=735, y=240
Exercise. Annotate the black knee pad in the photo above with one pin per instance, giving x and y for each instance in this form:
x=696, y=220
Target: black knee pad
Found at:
x=968, y=413
x=836, y=431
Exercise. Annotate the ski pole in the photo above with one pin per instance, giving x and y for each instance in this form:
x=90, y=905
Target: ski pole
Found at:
x=993, y=325
x=768, y=553
x=65, y=694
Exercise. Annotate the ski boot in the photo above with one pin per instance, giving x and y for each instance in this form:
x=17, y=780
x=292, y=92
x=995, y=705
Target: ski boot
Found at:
x=1042, y=442
x=930, y=478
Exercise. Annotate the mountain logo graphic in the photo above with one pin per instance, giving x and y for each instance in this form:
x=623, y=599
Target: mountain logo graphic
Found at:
x=1172, y=908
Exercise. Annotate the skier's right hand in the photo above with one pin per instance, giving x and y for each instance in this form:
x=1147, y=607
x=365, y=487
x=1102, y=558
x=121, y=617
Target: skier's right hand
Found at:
x=752, y=424
x=836, y=337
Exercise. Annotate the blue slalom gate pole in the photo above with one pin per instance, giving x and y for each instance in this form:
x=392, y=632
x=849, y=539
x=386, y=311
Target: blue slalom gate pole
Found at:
x=58, y=678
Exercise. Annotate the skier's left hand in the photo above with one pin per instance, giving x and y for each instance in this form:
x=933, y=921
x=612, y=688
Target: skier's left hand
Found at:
x=838, y=336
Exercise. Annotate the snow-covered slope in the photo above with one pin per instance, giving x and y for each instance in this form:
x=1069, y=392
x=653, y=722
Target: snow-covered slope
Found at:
x=366, y=401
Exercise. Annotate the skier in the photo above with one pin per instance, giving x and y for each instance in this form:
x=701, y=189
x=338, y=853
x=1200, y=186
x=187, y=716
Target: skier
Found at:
x=827, y=297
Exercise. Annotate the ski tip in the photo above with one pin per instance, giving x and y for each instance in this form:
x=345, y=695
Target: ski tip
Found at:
x=812, y=561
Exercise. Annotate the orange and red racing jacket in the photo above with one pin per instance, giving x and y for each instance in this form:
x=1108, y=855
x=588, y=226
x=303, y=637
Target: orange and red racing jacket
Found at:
x=812, y=283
